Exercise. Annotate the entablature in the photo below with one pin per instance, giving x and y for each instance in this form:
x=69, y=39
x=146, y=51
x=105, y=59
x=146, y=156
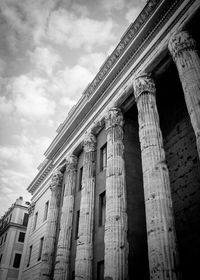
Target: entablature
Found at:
x=137, y=50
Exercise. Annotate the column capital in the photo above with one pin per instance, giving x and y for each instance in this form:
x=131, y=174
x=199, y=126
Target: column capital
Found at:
x=180, y=42
x=56, y=179
x=143, y=83
x=71, y=162
x=31, y=208
x=90, y=142
x=114, y=117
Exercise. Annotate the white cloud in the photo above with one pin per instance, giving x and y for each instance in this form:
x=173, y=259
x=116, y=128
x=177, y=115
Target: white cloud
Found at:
x=32, y=21
x=45, y=59
x=30, y=97
x=92, y=61
x=13, y=185
x=26, y=20
x=67, y=102
x=132, y=14
x=2, y=66
x=75, y=32
x=6, y=106
x=71, y=82
x=111, y=5
x=18, y=165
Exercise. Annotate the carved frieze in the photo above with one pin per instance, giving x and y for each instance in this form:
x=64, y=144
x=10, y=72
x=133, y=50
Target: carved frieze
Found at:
x=125, y=41
x=143, y=83
x=180, y=42
x=130, y=35
x=114, y=117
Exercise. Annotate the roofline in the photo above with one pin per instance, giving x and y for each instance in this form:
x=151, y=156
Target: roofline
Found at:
x=109, y=64
x=142, y=22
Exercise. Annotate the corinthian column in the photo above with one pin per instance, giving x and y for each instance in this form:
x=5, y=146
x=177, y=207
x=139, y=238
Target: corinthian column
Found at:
x=61, y=271
x=184, y=52
x=116, y=258
x=46, y=268
x=84, y=254
x=161, y=235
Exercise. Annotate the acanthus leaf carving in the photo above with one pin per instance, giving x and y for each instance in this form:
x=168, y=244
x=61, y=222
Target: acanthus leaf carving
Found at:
x=90, y=142
x=180, y=42
x=71, y=163
x=56, y=179
x=143, y=83
x=114, y=117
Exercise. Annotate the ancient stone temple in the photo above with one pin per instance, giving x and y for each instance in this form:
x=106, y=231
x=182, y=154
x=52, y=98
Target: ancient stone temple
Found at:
x=118, y=196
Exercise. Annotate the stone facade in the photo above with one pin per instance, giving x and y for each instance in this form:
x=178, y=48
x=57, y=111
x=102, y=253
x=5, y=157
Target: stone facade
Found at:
x=13, y=230
x=124, y=171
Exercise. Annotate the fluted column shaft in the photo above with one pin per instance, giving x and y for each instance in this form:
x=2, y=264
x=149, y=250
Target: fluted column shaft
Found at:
x=184, y=52
x=116, y=246
x=161, y=235
x=61, y=271
x=46, y=269
x=84, y=251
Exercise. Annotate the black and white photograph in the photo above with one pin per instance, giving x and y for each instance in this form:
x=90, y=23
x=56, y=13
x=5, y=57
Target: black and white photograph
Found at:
x=99, y=139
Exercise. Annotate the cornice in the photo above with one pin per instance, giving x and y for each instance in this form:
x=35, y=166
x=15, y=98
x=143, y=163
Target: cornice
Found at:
x=11, y=224
x=42, y=174
x=133, y=50
x=126, y=39
x=129, y=36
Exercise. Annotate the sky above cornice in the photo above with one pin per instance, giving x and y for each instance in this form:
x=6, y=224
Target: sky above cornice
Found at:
x=49, y=51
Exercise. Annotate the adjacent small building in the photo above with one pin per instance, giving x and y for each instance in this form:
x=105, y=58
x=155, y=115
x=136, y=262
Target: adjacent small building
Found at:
x=12, y=235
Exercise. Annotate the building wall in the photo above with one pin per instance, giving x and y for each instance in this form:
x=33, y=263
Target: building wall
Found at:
x=98, y=249
x=184, y=167
x=32, y=271
x=137, y=236
x=11, y=245
x=183, y=164
x=77, y=199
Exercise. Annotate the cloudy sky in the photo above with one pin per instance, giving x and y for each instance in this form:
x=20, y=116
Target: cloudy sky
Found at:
x=49, y=51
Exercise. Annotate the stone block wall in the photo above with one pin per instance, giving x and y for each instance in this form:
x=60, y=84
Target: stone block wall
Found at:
x=184, y=169
x=137, y=236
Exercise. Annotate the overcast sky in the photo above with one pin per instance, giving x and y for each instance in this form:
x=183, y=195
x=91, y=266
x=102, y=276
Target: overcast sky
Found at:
x=49, y=51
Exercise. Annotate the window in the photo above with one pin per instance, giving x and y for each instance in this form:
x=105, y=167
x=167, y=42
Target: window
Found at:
x=46, y=210
x=103, y=157
x=77, y=223
x=25, y=220
x=100, y=270
x=35, y=221
x=5, y=236
x=1, y=258
x=29, y=255
x=40, y=248
x=102, y=208
x=10, y=217
x=17, y=260
x=80, y=178
x=21, y=237
x=1, y=241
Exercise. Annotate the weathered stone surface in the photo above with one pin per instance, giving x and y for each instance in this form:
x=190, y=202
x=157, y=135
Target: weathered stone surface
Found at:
x=116, y=245
x=61, y=271
x=31, y=208
x=84, y=251
x=161, y=235
x=184, y=52
x=46, y=268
